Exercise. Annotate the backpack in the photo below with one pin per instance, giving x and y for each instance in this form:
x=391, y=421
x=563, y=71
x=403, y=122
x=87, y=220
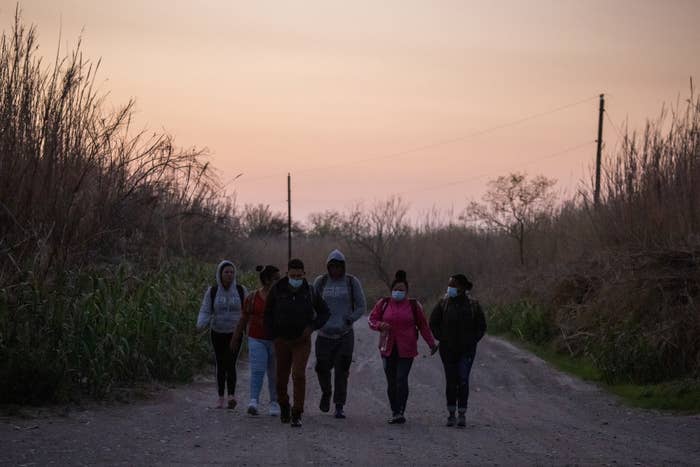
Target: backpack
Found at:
x=215, y=287
x=351, y=288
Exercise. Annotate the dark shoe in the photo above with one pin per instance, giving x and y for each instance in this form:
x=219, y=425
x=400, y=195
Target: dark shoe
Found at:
x=401, y=419
x=462, y=421
x=339, y=413
x=296, y=422
x=392, y=419
x=285, y=414
x=325, y=404
x=232, y=404
x=451, y=420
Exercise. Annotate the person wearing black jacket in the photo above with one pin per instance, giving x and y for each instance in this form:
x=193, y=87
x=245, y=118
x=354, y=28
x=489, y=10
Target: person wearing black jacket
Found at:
x=292, y=312
x=458, y=323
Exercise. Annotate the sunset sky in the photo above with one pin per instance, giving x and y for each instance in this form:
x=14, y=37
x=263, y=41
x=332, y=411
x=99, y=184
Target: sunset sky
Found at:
x=360, y=99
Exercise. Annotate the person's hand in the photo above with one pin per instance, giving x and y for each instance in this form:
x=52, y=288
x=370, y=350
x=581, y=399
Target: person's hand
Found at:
x=433, y=349
x=384, y=326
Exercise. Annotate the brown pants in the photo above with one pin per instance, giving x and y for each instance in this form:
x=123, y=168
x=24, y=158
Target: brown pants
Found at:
x=292, y=356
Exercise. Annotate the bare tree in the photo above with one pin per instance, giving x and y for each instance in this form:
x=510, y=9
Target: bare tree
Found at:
x=513, y=205
x=378, y=232
x=325, y=224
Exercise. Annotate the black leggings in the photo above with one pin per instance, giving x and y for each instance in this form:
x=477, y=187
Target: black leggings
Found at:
x=396, y=370
x=225, y=362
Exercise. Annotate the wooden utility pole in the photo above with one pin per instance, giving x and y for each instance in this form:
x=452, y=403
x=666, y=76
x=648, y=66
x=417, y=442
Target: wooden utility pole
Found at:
x=601, y=110
x=289, y=216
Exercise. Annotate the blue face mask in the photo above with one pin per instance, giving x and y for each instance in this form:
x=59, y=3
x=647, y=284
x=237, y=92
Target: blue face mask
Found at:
x=398, y=295
x=452, y=292
x=296, y=283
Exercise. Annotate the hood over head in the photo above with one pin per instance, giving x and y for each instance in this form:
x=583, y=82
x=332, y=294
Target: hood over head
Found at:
x=220, y=268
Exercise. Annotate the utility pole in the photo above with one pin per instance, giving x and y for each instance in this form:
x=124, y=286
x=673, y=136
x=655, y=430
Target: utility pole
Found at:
x=601, y=110
x=289, y=216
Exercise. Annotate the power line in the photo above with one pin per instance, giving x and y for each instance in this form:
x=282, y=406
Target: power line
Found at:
x=438, y=143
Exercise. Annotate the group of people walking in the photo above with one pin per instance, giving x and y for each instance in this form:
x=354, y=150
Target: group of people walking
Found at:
x=280, y=317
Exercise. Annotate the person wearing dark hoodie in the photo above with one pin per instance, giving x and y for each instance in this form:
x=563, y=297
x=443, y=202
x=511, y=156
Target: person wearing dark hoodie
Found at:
x=335, y=341
x=458, y=323
x=220, y=311
x=292, y=312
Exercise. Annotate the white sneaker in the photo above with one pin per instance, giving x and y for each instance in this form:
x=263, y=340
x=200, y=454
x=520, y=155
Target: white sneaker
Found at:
x=274, y=409
x=253, y=407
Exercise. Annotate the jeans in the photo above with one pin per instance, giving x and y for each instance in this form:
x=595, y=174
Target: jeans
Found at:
x=292, y=355
x=261, y=354
x=334, y=354
x=396, y=370
x=457, y=369
x=225, y=362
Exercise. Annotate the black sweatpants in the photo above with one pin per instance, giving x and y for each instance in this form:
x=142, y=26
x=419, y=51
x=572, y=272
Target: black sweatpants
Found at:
x=334, y=354
x=225, y=362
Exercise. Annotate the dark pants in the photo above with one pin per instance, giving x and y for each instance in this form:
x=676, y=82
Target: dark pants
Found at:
x=396, y=370
x=457, y=369
x=225, y=362
x=334, y=354
x=292, y=355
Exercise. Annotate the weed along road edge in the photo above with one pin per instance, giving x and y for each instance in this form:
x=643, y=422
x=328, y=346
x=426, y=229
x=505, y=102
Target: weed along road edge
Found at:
x=521, y=412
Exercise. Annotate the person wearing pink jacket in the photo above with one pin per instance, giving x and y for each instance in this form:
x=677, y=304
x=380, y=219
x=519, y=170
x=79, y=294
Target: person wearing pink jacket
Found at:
x=399, y=319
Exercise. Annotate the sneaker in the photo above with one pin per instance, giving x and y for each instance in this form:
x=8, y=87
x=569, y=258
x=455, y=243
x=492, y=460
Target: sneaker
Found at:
x=339, y=413
x=397, y=419
x=296, y=421
x=325, y=404
x=400, y=419
x=253, y=407
x=451, y=420
x=462, y=421
x=285, y=414
x=232, y=403
x=222, y=403
x=274, y=409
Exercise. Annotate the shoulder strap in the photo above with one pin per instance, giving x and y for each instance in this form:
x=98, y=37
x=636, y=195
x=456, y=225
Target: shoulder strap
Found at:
x=212, y=296
x=351, y=290
x=414, y=309
x=241, y=293
x=385, y=304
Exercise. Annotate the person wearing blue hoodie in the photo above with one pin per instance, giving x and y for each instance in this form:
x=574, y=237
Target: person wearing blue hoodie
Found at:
x=335, y=341
x=220, y=312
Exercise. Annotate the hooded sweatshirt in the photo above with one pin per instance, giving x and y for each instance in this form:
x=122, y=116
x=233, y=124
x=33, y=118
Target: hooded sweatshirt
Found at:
x=336, y=293
x=227, y=305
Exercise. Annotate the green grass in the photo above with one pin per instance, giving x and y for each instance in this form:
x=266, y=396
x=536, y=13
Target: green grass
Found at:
x=678, y=396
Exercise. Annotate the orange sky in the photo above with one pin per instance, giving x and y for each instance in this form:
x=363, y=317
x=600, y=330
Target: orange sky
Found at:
x=341, y=93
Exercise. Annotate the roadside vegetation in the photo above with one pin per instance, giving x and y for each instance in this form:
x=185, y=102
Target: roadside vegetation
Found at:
x=109, y=236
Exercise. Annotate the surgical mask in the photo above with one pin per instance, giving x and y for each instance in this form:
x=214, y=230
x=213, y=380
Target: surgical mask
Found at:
x=398, y=295
x=452, y=292
x=296, y=283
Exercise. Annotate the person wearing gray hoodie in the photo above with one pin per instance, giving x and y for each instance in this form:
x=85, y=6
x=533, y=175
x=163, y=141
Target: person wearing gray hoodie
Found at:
x=220, y=312
x=336, y=340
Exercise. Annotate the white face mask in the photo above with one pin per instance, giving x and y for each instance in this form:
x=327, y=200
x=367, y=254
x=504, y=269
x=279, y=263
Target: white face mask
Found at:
x=452, y=292
x=296, y=283
x=398, y=295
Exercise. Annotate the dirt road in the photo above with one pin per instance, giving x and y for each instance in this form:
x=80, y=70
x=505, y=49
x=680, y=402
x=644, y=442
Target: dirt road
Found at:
x=521, y=412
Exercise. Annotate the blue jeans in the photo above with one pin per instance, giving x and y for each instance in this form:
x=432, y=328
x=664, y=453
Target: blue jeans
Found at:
x=457, y=370
x=261, y=354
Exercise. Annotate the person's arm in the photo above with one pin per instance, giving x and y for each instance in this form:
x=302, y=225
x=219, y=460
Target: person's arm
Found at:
x=376, y=316
x=204, y=317
x=360, y=301
x=422, y=325
x=321, y=309
x=242, y=326
x=436, y=320
x=270, y=306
